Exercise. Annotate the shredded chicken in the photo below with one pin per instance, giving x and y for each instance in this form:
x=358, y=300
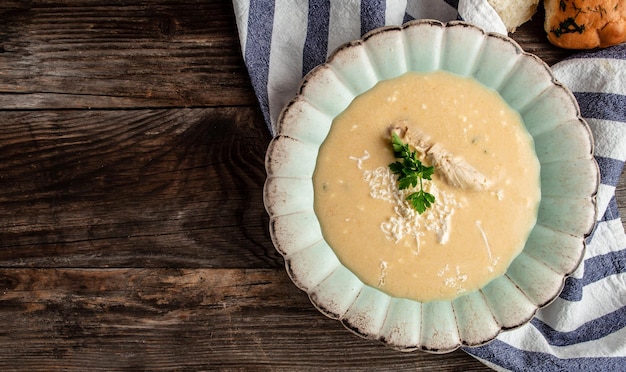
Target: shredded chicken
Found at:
x=454, y=169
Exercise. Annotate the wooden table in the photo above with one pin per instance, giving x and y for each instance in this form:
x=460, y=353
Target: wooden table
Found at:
x=132, y=228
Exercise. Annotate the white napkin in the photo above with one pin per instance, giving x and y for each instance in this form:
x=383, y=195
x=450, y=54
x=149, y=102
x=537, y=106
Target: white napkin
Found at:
x=585, y=328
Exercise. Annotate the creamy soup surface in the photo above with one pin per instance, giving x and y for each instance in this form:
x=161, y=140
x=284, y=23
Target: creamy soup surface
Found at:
x=468, y=237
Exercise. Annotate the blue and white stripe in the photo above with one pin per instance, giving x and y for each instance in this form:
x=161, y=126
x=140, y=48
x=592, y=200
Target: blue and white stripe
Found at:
x=584, y=329
x=282, y=40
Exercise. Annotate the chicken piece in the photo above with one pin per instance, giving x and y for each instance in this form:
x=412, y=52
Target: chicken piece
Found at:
x=454, y=169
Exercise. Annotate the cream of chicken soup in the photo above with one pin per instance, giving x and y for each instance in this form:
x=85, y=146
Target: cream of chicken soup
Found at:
x=485, y=184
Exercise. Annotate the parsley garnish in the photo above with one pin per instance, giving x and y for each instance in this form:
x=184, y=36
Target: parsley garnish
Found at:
x=410, y=173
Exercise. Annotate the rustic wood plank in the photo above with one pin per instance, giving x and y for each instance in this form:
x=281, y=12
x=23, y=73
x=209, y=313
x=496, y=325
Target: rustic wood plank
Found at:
x=103, y=54
x=183, y=319
x=171, y=187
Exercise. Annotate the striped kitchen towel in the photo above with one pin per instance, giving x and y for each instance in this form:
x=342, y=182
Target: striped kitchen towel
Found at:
x=585, y=328
x=282, y=40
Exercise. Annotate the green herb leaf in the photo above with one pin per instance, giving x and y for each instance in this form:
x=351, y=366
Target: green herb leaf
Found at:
x=406, y=181
x=411, y=171
x=427, y=172
x=396, y=168
x=568, y=26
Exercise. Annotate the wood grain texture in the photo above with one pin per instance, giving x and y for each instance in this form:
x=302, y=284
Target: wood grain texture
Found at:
x=147, y=188
x=117, y=54
x=132, y=229
x=182, y=319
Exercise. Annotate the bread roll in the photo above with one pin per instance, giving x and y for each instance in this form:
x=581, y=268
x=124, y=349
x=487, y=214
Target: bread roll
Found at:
x=514, y=13
x=585, y=24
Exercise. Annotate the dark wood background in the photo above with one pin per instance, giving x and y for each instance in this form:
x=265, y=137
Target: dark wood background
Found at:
x=132, y=229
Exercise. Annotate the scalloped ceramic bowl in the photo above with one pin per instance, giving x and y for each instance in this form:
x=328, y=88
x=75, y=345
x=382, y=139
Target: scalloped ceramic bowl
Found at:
x=569, y=181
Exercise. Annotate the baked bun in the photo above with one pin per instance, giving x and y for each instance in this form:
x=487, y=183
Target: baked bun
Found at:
x=514, y=13
x=585, y=24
